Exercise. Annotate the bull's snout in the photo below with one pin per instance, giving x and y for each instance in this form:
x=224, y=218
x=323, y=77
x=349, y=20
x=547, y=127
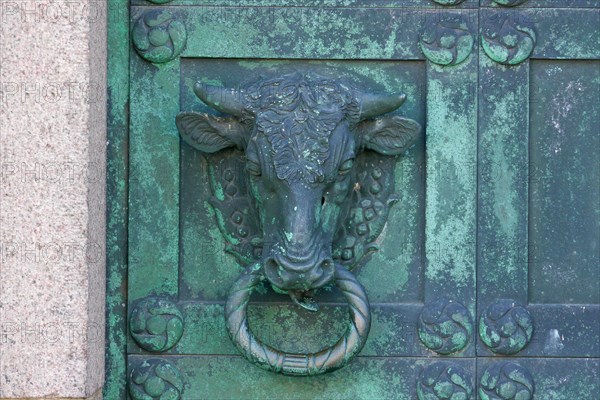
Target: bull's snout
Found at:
x=289, y=273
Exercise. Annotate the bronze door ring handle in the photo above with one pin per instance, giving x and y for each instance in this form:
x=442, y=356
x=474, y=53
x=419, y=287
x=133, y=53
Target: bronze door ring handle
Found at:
x=326, y=360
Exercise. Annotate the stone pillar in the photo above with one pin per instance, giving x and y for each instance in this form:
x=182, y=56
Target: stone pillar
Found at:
x=52, y=198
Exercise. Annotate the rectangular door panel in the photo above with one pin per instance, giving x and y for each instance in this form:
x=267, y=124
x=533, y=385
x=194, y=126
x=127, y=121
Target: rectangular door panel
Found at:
x=232, y=378
x=487, y=268
x=538, y=177
x=207, y=270
x=533, y=378
x=180, y=271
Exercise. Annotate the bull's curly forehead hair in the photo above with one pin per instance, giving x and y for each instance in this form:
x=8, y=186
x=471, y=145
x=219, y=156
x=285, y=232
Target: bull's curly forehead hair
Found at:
x=262, y=93
x=297, y=113
x=315, y=91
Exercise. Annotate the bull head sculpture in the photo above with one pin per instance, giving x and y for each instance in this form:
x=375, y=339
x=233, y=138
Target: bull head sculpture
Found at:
x=310, y=199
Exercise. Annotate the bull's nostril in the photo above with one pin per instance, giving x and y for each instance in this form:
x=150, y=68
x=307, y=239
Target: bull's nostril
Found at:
x=321, y=274
x=325, y=267
x=322, y=200
x=308, y=275
x=275, y=273
x=271, y=264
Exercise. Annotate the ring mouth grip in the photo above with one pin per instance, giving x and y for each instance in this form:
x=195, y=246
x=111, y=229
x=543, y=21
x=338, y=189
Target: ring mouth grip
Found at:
x=325, y=360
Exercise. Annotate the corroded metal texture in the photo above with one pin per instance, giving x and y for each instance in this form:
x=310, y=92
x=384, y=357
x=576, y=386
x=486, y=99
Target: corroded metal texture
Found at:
x=156, y=324
x=299, y=191
x=508, y=39
x=158, y=37
x=445, y=326
x=444, y=380
x=506, y=381
x=326, y=360
x=506, y=327
x=447, y=40
x=155, y=379
x=497, y=200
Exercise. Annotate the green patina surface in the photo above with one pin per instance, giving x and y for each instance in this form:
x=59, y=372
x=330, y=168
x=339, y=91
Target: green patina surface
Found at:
x=414, y=4
x=498, y=201
x=565, y=186
x=203, y=245
x=117, y=188
x=391, y=378
x=503, y=178
x=153, y=181
x=450, y=210
x=550, y=378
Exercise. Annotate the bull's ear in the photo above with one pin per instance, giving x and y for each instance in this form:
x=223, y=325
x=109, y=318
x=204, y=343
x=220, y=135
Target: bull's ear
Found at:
x=388, y=135
x=210, y=134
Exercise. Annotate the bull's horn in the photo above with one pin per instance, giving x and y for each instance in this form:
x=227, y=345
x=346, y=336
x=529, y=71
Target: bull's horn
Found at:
x=225, y=100
x=372, y=105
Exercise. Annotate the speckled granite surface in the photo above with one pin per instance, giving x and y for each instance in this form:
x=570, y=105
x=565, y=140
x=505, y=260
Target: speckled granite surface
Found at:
x=52, y=198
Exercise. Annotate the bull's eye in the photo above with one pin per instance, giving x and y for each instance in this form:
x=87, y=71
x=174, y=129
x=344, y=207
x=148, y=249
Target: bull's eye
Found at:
x=253, y=167
x=346, y=167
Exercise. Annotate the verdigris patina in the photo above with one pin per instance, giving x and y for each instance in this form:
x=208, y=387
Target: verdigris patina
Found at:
x=303, y=195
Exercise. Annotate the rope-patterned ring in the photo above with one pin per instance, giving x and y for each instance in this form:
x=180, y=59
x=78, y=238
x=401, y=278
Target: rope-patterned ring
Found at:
x=269, y=358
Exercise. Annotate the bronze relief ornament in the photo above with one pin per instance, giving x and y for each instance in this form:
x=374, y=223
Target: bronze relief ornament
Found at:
x=301, y=193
